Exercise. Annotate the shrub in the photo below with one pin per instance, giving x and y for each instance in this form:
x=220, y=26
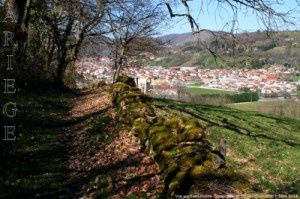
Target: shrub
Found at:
x=244, y=97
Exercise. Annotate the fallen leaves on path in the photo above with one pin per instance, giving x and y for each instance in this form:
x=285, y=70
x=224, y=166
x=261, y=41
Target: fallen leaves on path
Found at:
x=130, y=171
x=136, y=173
x=90, y=103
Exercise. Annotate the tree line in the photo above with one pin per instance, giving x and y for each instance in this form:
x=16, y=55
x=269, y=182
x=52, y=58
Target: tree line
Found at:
x=49, y=34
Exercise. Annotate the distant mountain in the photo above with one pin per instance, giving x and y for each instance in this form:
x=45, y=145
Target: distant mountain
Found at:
x=179, y=39
x=176, y=39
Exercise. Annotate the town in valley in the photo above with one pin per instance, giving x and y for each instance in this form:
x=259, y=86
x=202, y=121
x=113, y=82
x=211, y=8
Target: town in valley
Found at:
x=273, y=81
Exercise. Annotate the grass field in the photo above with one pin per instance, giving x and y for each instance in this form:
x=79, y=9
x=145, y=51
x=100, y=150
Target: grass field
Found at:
x=285, y=108
x=206, y=91
x=264, y=148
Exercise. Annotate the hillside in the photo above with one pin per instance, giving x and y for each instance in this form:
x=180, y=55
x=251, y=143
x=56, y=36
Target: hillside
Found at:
x=249, y=50
x=72, y=144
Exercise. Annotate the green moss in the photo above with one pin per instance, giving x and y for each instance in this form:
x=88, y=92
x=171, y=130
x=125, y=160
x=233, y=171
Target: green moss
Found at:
x=159, y=147
x=140, y=129
x=160, y=137
x=187, y=149
x=192, y=134
x=157, y=128
x=133, y=111
x=119, y=87
x=176, y=124
x=176, y=182
x=192, y=123
x=187, y=161
x=171, y=170
x=133, y=96
x=198, y=171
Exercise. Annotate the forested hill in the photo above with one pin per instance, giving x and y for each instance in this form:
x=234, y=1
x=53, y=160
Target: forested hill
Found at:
x=250, y=50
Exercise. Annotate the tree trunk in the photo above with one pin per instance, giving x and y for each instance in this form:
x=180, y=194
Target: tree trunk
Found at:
x=50, y=55
x=62, y=65
x=62, y=51
x=59, y=78
x=119, y=64
x=115, y=73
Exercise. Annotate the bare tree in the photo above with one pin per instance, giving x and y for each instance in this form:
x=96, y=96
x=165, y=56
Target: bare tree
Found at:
x=133, y=23
x=70, y=22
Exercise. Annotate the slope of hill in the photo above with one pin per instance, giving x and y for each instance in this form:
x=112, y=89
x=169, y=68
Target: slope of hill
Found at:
x=71, y=145
x=251, y=50
x=265, y=148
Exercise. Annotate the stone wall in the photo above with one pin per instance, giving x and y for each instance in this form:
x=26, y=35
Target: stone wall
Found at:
x=186, y=159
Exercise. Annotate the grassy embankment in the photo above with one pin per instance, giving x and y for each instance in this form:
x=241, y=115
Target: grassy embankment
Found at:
x=265, y=148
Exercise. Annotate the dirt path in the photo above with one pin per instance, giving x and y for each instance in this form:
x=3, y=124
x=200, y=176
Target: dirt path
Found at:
x=108, y=163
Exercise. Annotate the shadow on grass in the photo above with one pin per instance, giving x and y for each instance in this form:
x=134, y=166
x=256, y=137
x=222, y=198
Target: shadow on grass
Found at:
x=32, y=165
x=219, y=116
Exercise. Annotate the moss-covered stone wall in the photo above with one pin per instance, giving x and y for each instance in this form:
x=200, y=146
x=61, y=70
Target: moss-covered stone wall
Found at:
x=177, y=144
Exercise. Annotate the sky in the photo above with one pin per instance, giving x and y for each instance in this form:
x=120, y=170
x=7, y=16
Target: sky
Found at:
x=215, y=18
